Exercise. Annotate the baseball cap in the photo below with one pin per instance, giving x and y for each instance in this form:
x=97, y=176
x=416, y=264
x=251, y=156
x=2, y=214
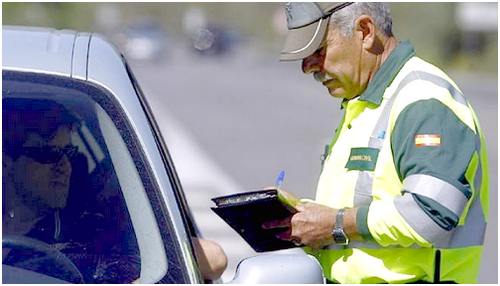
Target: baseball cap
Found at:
x=307, y=22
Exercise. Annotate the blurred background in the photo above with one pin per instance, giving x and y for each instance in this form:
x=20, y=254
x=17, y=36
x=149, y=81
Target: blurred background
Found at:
x=453, y=35
x=234, y=117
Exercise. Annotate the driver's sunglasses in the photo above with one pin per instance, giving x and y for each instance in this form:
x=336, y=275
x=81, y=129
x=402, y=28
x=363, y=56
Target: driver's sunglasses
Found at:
x=50, y=154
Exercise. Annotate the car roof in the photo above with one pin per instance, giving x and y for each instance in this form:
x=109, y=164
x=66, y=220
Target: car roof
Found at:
x=77, y=55
x=47, y=50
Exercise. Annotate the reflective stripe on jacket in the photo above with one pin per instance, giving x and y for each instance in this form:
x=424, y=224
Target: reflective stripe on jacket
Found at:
x=411, y=156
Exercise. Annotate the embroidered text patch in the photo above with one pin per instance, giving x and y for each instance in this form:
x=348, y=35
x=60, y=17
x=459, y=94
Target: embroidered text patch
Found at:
x=362, y=159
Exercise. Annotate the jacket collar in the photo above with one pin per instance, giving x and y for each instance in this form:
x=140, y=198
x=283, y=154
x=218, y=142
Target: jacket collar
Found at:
x=387, y=72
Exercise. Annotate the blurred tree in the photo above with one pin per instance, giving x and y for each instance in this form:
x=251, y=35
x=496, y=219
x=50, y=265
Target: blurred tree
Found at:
x=67, y=15
x=426, y=25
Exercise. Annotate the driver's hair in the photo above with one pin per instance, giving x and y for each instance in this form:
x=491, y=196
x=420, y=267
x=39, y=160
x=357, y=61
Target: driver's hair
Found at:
x=22, y=116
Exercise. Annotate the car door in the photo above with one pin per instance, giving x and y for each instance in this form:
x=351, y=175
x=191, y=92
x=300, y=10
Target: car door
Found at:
x=124, y=218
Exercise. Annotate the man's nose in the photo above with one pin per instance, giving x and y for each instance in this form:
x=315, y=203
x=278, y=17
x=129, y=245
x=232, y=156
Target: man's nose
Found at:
x=311, y=64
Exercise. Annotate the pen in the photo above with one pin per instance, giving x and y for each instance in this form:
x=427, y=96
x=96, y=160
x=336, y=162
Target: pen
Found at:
x=279, y=180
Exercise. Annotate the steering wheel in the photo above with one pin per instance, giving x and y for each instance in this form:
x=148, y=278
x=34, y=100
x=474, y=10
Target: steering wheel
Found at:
x=56, y=257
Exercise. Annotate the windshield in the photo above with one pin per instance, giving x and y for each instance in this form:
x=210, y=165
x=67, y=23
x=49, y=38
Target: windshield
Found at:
x=74, y=206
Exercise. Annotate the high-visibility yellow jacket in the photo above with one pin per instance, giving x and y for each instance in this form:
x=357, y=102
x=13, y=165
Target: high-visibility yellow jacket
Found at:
x=411, y=155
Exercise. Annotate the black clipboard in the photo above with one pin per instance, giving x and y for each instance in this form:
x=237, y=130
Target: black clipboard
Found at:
x=246, y=212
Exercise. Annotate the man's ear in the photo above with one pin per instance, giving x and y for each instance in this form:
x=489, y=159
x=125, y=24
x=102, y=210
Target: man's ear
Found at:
x=366, y=26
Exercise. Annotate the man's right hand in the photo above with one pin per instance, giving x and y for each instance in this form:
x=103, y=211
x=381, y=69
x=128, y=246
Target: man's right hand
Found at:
x=312, y=225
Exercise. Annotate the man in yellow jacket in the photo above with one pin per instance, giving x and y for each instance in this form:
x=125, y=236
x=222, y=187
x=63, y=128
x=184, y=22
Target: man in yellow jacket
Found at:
x=403, y=194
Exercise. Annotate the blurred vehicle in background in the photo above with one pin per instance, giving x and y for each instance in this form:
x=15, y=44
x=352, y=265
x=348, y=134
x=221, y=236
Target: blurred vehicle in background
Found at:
x=215, y=40
x=145, y=41
x=89, y=190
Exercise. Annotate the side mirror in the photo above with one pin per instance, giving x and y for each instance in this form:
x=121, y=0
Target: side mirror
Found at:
x=279, y=269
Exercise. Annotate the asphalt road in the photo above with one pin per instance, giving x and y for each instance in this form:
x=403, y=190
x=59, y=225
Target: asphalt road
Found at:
x=233, y=123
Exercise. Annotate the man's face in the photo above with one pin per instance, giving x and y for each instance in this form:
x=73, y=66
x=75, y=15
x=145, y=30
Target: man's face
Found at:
x=45, y=185
x=337, y=65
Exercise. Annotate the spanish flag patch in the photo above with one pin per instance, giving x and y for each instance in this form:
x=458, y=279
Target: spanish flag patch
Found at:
x=427, y=140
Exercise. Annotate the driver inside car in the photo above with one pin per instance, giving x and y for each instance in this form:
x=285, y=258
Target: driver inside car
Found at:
x=53, y=220
x=37, y=156
x=36, y=177
x=47, y=200
x=49, y=208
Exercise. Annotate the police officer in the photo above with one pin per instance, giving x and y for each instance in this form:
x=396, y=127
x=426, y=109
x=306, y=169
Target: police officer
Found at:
x=402, y=197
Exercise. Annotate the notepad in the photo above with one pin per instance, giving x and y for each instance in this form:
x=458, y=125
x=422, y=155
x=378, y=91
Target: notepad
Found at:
x=246, y=212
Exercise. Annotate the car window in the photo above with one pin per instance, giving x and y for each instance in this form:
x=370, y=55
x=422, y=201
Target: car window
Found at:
x=75, y=187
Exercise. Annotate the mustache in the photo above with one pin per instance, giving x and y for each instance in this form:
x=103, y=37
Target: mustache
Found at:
x=322, y=77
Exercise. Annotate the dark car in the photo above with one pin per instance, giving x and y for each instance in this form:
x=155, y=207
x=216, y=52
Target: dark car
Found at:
x=215, y=40
x=89, y=191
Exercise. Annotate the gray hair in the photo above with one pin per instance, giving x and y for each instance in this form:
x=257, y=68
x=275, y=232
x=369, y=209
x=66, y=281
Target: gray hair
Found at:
x=344, y=19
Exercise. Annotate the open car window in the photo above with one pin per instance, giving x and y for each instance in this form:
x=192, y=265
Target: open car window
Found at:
x=75, y=188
